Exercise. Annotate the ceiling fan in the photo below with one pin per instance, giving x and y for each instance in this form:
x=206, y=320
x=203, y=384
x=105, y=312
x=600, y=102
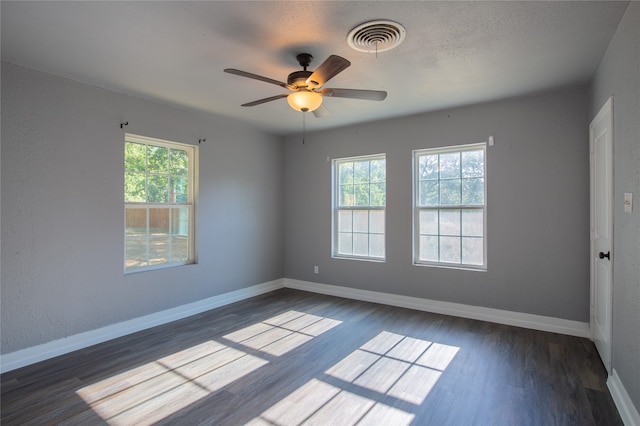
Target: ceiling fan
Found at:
x=306, y=85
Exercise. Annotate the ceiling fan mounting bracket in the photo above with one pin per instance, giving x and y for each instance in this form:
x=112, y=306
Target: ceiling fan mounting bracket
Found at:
x=304, y=59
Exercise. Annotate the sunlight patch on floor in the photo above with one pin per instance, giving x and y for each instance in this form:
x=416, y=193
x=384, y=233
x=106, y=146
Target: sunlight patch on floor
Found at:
x=151, y=392
x=319, y=403
x=396, y=365
x=282, y=333
x=389, y=366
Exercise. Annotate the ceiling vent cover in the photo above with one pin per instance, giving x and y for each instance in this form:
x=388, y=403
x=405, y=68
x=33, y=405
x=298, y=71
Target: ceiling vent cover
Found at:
x=376, y=36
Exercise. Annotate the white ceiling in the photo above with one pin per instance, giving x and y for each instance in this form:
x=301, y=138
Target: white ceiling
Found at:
x=455, y=53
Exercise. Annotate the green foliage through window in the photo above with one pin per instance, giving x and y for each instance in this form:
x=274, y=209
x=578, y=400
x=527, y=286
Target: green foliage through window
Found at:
x=362, y=183
x=450, y=206
x=158, y=203
x=452, y=178
x=155, y=174
x=359, y=201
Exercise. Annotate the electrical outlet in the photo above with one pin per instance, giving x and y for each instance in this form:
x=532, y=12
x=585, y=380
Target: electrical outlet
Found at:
x=628, y=202
x=316, y=270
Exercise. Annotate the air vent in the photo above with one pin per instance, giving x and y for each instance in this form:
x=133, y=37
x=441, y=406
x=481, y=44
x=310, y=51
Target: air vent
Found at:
x=376, y=36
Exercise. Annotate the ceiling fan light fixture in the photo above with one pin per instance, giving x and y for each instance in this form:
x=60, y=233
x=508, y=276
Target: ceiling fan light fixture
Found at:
x=305, y=100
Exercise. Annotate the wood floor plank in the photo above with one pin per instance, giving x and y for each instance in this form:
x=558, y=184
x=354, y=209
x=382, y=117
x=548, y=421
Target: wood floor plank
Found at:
x=290, y=358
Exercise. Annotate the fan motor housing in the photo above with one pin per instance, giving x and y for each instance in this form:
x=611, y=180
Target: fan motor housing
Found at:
x=298, y=78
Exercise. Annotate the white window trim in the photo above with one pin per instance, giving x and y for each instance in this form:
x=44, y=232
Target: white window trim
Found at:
x=192, y=152
x=416, y=208
x=335, y=208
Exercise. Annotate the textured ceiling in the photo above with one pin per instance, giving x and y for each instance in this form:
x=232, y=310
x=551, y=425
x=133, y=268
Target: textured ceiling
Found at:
x=455, y=53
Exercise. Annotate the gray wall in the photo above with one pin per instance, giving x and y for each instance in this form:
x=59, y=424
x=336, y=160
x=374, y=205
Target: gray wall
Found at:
x=537, y=205
x=62, y=208
x=619, y=75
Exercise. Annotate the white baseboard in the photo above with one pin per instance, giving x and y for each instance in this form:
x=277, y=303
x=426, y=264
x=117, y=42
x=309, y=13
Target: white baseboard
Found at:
x=535, y=322
x=31, y=355
x=627, y=410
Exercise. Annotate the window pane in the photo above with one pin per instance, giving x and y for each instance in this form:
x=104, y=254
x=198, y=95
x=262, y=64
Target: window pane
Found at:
x=135, y=157
x=428, y=165
x=345, y=173
x=158, y=189
x=428, y=222
x=134, y=187
x=449, y=222
x=179, y=234
x=345, y=218
x=346, y=196
x=361, y=244
x=473, y=191
x=159, y=236
x=180, y=248
x=376, y=221
x=360, y=221
x=178, y=162
x=450, y=249
x=378, y=194
x=179, y=190
x=157, y=159
x=180, y=221
x=136, y=221
x=159, y=250
x=472, y=251
x=378, y=171
x=345, y=243
x=377, y=245
x=473, y=163
x=159, y=222
x=135, y=237
x=450, y=165
x=361, y=194
x=450, y=192
x=472, y=223
x=429, y=248
x=361, y=172
x=135, y=252
x=429, y=193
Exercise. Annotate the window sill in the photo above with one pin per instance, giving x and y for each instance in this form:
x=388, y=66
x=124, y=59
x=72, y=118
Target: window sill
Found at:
x=452, y=266
x=362, y=259
x=157, y=267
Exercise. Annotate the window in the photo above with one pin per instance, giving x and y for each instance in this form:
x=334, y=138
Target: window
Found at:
x=159, y=203
x=359, y=198
x=449, y=206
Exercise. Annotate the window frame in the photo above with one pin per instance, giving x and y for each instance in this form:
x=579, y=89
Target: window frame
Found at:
x=336, y=209
x=417, y=208
x=190, y=204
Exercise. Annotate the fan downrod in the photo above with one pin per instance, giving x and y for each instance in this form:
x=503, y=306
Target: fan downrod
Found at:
x=298, y=79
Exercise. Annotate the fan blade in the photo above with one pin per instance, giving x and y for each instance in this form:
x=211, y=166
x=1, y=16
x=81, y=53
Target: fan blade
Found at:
x=367, y=95
x=265, y=100
x=256, y=77
x=320, y=112
x=327, y=70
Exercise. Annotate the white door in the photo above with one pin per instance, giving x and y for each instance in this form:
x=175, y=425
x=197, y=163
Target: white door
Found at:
x=601, y=154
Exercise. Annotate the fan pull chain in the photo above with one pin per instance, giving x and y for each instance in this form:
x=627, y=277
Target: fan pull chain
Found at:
x=304, y=126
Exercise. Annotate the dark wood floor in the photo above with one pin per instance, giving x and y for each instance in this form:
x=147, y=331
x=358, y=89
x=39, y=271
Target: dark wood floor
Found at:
x=290, y=358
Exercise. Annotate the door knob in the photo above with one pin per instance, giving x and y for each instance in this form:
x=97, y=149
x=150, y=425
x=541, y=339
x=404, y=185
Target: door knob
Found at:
x=602, y=255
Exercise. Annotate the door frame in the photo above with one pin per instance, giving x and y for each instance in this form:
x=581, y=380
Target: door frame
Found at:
x=605, y=113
